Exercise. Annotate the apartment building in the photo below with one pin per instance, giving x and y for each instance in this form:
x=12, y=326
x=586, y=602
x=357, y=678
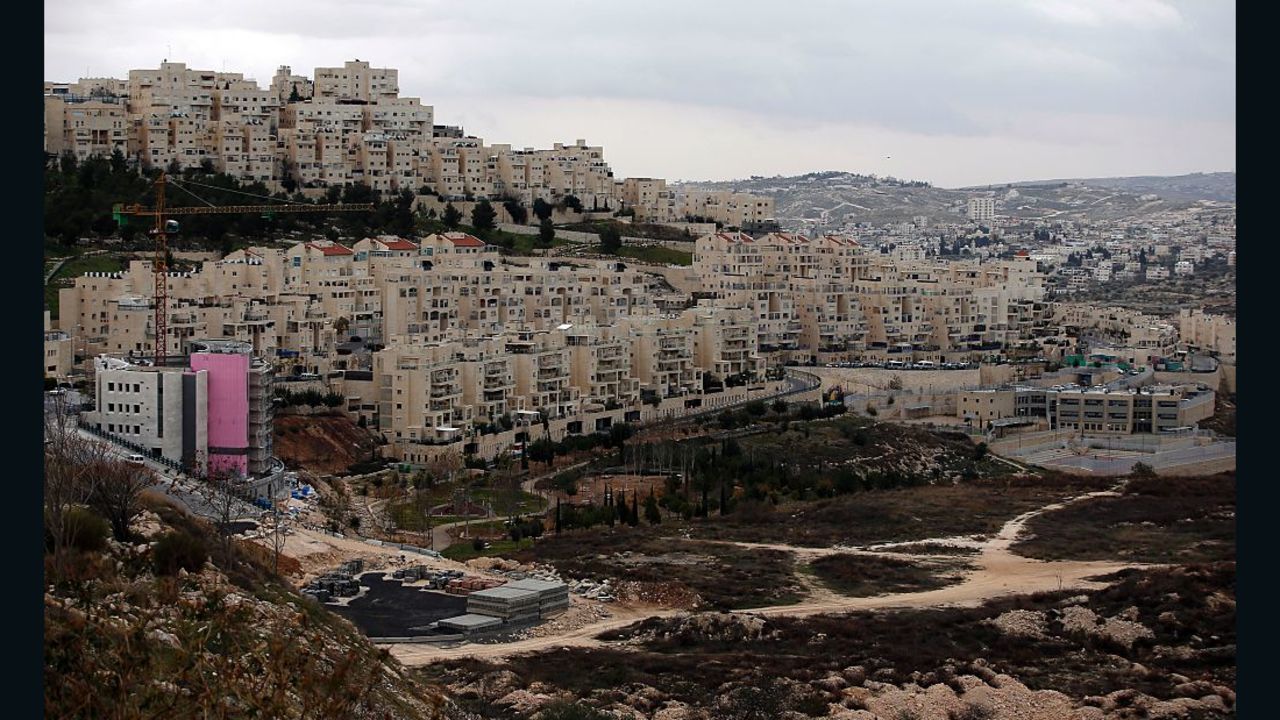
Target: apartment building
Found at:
x=982, y=209
x=85, y=128
x=830, y=296
x=1205, y=332
x=348, y=125
x=663, y=357
x=59, y=351
x=651, y=199
x=731, y=209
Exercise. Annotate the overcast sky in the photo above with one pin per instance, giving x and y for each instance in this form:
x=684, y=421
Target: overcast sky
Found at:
x=955, y=93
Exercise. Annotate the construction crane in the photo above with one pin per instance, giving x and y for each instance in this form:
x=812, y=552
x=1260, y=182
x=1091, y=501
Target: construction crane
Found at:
x=165, y=227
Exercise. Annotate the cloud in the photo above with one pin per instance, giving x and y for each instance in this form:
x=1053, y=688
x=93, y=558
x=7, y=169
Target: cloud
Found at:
x=1144, y=13
x=955, y=74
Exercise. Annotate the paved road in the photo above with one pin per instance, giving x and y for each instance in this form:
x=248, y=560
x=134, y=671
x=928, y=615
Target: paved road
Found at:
x=190, y=494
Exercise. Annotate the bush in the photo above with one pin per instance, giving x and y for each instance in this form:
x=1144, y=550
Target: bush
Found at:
x=86, y=531
x=1142, y=470
x=179, y=550
x=565, y=710
x=477, y=545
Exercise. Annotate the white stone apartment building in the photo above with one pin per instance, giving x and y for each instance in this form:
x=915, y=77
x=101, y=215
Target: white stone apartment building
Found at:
x=1201, y=331
x=731, y=209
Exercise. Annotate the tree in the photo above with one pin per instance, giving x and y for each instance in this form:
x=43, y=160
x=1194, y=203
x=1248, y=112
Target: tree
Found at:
x=546, y=233
x=610, y=240
x=651, y=513
x=779, y=406
x=980, y=451
x=483, y=216
x=72, y=464
x=116, y=494
x=1142, y=470
x=571, y=202
x=519, y=215
x=294, y=95
x=541, y=208
x=118, y=162
x=218, y=488
x=451, y=216
x=895, y=383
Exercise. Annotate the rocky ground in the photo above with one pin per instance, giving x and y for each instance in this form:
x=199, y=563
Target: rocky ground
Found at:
x=1157, y=644
x=224, y=638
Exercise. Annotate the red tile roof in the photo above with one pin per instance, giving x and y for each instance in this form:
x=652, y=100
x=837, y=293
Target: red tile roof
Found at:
x=464, y=240
x=331, y=249
x=397, y=244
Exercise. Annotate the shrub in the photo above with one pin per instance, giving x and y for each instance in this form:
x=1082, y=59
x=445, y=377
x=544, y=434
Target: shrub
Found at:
x=477, y=545
x=1142, y=470
x=179, y=550
x=566, y=710
x=86, y=531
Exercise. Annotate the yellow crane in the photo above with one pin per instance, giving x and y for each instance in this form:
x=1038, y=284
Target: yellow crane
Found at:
x=165, y=227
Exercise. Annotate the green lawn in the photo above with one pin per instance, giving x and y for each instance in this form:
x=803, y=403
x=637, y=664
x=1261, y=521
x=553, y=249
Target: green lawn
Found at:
x=463, y=550
x=653, y=254
x=74, y=268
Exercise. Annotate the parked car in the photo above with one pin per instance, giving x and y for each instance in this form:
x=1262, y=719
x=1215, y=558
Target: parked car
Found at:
x=135, y=459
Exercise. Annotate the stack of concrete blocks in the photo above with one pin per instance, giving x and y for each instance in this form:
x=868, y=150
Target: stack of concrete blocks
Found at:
x=513, y=605
x=553, y=597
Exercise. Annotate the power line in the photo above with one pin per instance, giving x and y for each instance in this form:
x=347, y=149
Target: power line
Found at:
x=241, y=192
x=197, y=197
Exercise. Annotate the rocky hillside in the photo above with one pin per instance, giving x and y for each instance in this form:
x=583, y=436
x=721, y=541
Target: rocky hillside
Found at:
x=1157, y=644
x=176, y=622
x=322, y=444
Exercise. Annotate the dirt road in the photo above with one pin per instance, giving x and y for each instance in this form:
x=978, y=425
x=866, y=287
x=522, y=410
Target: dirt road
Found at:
x=995, y=572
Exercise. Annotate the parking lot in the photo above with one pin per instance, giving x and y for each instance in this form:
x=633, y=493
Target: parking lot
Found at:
x=390, y=609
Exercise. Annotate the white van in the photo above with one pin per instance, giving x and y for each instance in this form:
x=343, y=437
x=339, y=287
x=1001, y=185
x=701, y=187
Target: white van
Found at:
x=925, y=364
x=136, y=459
x=894, y=365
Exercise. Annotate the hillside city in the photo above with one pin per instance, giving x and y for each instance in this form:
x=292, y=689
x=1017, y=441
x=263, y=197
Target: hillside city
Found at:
x=476, y=410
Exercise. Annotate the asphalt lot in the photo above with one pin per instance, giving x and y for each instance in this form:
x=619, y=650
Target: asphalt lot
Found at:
x=388, y=609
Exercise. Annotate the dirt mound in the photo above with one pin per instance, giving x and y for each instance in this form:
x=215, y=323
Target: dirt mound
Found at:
x=322, y=444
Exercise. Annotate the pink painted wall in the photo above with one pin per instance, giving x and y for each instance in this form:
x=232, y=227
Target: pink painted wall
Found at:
x=228, y=409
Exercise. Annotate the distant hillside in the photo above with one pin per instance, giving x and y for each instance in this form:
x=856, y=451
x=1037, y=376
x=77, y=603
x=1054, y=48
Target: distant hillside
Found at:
x=831, y=200
x=1220, y=186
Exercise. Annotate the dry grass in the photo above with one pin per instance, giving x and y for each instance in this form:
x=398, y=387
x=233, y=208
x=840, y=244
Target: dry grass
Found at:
x=1162, y=519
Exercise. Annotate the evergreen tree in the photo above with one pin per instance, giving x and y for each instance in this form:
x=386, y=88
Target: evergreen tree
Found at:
x=633, y=516
x=610, y=240
x=542, y=209
x=546, y=233
x=483, y=216
x=451, y=216
x=651, y=513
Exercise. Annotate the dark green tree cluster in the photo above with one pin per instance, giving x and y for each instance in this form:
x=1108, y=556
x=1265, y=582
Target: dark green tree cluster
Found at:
x=79, y=197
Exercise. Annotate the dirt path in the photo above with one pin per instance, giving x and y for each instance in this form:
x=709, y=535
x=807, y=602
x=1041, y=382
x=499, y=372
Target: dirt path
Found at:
x=995, y=572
